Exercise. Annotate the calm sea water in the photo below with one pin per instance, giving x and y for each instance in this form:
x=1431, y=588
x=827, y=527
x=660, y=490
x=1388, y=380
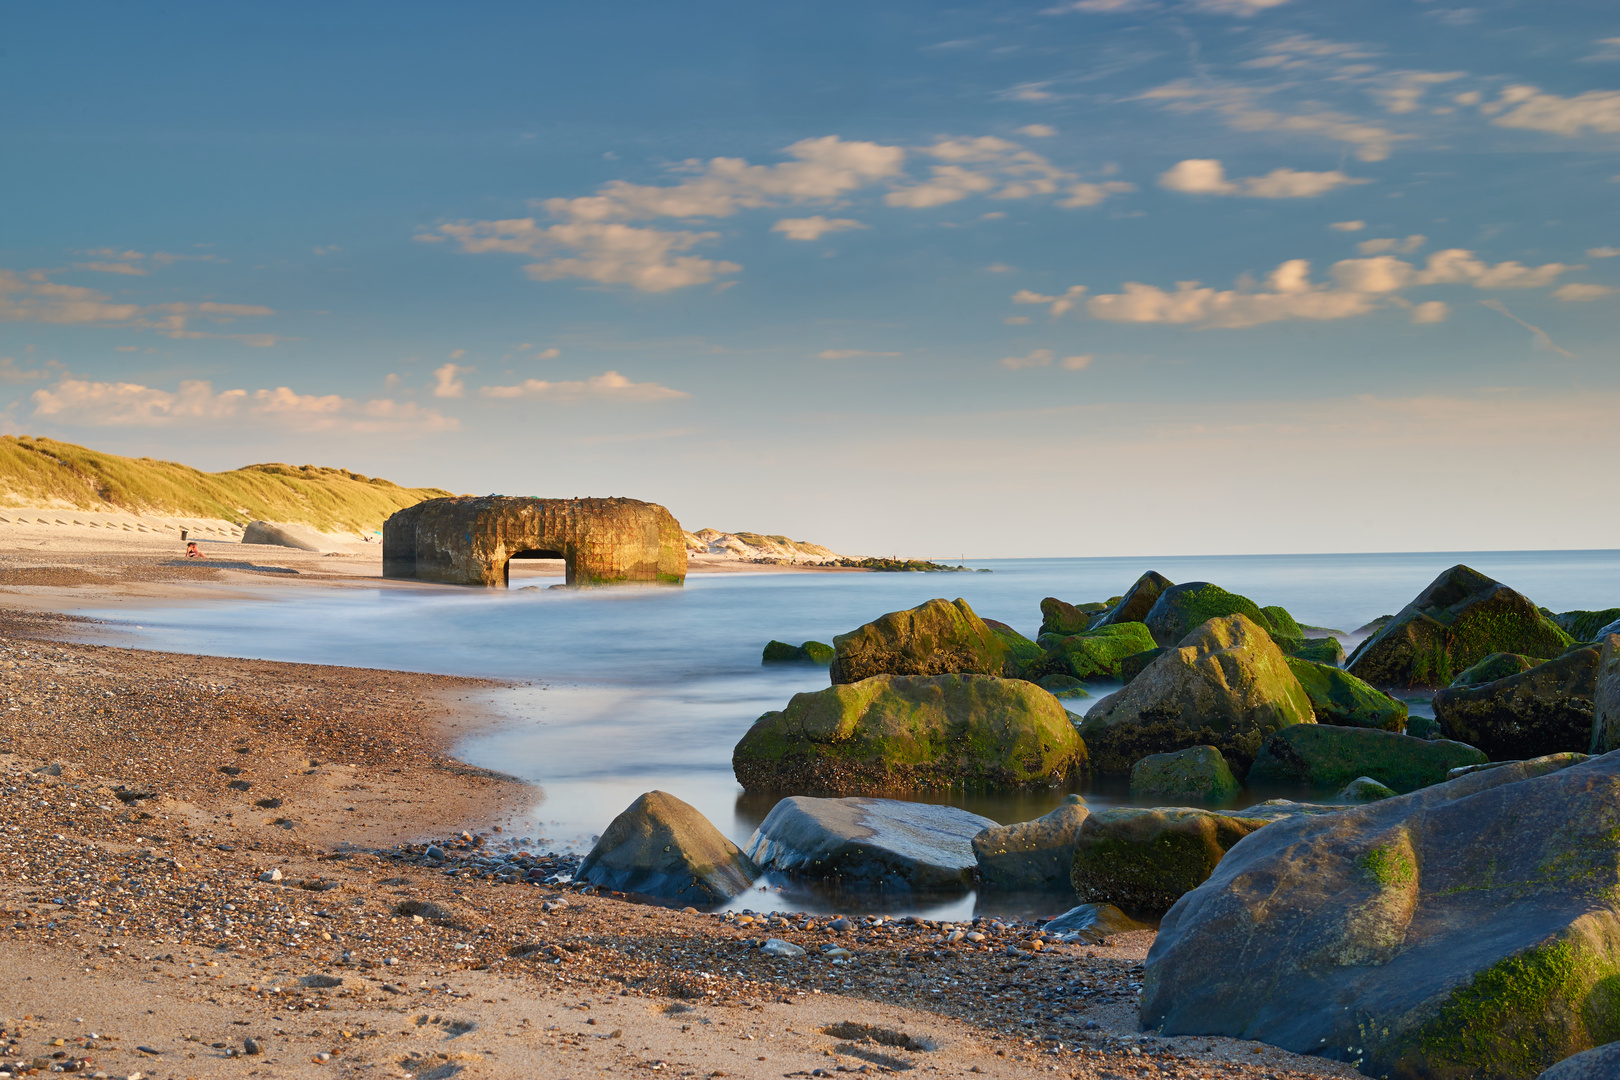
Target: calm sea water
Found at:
x=625, y=690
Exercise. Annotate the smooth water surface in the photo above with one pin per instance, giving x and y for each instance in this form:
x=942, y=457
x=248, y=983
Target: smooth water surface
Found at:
x=625, y=690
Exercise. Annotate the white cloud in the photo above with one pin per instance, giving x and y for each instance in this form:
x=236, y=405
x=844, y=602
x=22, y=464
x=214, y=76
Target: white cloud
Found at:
x=1207, y=176
x=1241, y=8
x=1400, y=247
x=1456, y=266
x=1058, y=305
x=1581, y=291
x=107, y=404
x=850, y=354
x=1044, y=358
x=813, y=228
x=33, y=297
x=112, y=268
x=1038, y=131
x=548, y=354
x=1240, y=107
x=609, y=386
x=1602, y=252
x=612, y=254
x=1402, y=91
x=823, y=169
x=999, y=169
x=1527, y=107
x=1001, y=268
x=446, y=383
x=1086, y=194
x=1348, y=226
x=1430, y=311
x=1077, y=363
x=1097, y=7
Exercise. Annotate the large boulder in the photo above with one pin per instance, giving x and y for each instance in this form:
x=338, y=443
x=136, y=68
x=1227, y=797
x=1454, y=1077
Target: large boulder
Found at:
x=1461, y=618
x=1199, y=773
x=1143, y=859
x=870, y=842
x=1137, y=601
x=1328, y=756
x=1606, y=698
x=1093, y=655
x=1032, y=854
x=936, y=638
x=1338, y=697
x=811, y=652
x=1181, y=609
x=1586, y=625
x=1060, y=617
x=663, y=847
x=1323, y=650
x=1020, y=650
x=1601, y=1063
x=1283, y=627
x=892, y=732
x=1467, y=930
x=1545, y=710
x=1226, y=685
x=1132, y=666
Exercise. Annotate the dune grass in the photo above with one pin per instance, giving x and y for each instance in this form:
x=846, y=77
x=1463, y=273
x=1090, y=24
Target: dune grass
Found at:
x=44, y=472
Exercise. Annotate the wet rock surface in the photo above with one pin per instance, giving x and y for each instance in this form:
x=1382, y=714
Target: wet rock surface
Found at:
x=901, y=844
x=1544, y=710
x=1325, y=756
x=1036, y=854
x=936, y=638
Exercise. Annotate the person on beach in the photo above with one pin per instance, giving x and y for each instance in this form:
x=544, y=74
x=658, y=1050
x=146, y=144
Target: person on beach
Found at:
x=192, y=552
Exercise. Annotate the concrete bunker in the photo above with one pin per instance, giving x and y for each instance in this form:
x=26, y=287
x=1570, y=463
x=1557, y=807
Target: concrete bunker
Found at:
x=472, y=541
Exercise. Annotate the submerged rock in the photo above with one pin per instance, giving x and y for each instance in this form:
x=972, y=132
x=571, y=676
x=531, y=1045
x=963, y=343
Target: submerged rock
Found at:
x=892, y=732
x=1035, y=854
x=663, y=847
x=1545, y=710
x=936, y=638
x=1198, y=772
x=1063, y=686
x=1093, y=655
x=811, y=652
x=1328, y=756
x=1461, y=618
x=1137, y=601
x=1338, y=697
x=870, y=841
x=1226, y=685
x=1465, y=930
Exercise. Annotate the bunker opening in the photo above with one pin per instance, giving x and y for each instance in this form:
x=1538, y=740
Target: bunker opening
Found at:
x=548, y=561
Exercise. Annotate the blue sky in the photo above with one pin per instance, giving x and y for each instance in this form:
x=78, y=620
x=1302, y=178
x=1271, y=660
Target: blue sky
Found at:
x=1063, y=278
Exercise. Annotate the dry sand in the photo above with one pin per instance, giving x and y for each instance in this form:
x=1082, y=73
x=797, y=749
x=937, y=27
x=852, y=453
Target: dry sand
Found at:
x=147, y=796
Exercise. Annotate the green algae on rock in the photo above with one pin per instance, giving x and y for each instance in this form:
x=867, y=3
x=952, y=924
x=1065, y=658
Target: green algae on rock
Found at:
x=1058, y=617
x=1461, y=618
x=811, y=652
x=1586, y=625
x=935, y=638
x=1470, y=927
x=1020, y=649
x=1226, y=685
x=1545, y=710
x=1330, y=756
x=1322, y=650
x=1137, y=601
x=1338, y=697
x=1062, y=686
x=1606, y=698
x=1181, y=609
x=894, y=732
x=1093, y=655
x=1035, y=854
x=1498, y=665
x=1199, y=773
x=1365, y=789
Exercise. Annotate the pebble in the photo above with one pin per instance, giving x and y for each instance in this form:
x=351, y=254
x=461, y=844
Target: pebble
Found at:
x=778, y=947
x=273, y=874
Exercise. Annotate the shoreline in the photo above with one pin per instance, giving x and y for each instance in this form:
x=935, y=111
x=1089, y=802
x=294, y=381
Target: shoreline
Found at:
x=148, y=795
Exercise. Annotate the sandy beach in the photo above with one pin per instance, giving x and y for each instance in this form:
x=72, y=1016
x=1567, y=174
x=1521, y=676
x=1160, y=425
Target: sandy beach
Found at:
x=198, y=852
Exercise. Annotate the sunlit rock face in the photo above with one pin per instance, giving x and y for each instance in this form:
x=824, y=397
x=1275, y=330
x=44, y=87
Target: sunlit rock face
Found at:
x=469, y=541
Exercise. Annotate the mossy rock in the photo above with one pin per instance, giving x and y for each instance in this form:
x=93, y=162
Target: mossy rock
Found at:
x=893, y=732
x=1547, y=709
x=1133, y=665
x=1498, y=665
x=1423, y=727
x=1284, y=630
x=1226, y=685
x=1058, y=617
x=1606, y=698
x=1181, y=609
x=811, y=652
x=1323, y=650
x=1461, y=618
x=935, y=638
x=1144, y=859
x=1365, y=789
x=1063, y=686
x=1338, y=697
x=1093, y=655
x=1326, y=756
x=1137, y=601
x=1022, y=650
x=1586, y=625
x=1199, y=773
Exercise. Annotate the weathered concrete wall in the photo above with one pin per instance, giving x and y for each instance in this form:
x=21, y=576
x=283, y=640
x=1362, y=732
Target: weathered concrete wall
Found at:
x=468, y=541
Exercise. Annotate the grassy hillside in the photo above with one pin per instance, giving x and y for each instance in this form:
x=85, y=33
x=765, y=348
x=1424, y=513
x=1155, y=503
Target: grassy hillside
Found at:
x=44, y=472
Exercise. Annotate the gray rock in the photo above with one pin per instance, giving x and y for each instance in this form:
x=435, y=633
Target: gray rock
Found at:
x=272, y=874
x=1366, y=789
x=1606, y=697
x=1031, y=854
x=1464, y=930
x=1545, y=710
x=778, y=947
x=661, y=846
x=436, y=853
x=1198, y=772
x=250, y=1045
x=1093, y=923
x=868, y=841
x=1137, y=601
x=1601, y=1063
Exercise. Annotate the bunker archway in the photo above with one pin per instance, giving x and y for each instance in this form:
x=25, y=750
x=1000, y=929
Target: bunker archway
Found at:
x=528, y=554
x=471, y=541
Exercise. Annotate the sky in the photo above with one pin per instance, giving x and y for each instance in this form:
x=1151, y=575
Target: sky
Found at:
x=1061, y=278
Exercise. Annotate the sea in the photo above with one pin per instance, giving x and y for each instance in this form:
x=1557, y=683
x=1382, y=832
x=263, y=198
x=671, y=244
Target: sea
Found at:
x=615, y=692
